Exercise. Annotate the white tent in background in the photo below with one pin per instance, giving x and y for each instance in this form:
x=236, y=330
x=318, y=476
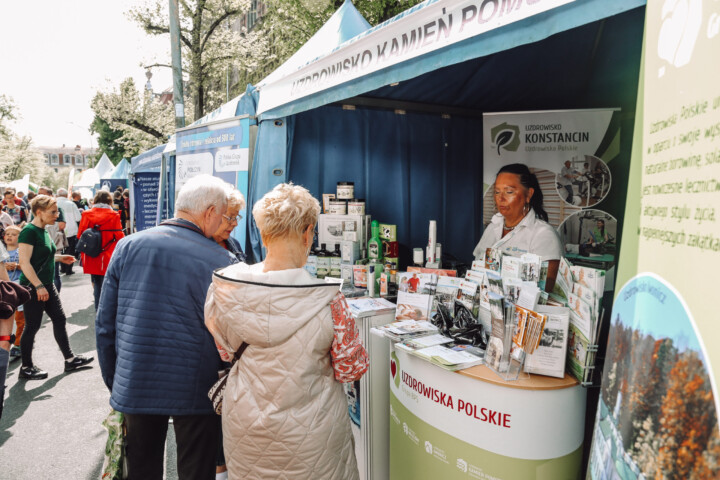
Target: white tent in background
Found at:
x=89, y=179
x=103, y=167
x=21, y=185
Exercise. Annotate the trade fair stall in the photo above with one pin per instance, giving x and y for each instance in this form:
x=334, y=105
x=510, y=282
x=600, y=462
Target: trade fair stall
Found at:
x=415, y=116
x=401, y=112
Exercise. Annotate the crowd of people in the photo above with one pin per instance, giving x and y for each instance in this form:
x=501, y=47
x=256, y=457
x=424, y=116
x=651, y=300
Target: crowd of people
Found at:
x=176, y=305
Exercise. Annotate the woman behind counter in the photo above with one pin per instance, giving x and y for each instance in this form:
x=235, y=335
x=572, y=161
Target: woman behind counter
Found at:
x=521, y=224
x=284, y=410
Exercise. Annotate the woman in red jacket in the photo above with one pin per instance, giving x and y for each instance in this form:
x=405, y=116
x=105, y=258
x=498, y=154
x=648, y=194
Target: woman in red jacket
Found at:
x=102, y=215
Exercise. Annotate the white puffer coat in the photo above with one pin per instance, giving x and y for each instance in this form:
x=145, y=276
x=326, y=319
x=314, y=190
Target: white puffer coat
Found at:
x=284, y=414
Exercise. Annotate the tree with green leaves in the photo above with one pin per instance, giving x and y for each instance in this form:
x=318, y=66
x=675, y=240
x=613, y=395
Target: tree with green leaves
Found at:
x=17, y=156
x=209, y=45
x=108, y=139
x=291, y=23
x=142, y=120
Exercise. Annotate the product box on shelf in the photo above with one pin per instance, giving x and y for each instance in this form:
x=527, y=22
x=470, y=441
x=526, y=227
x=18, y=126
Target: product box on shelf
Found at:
x=360, y=274
x=388, y=232
x=346, y=273
x=390, y=249
x=351, y=236
x=331, y=228
x=349, y=251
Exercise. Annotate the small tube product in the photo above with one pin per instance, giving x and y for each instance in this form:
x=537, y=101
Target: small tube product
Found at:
x=432, y=240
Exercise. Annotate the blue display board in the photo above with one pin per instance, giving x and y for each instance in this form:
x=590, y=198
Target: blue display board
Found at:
x=222, y=150
x=145, y=189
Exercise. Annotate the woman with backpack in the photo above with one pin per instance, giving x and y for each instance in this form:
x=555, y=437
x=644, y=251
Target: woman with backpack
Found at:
x=108, y=221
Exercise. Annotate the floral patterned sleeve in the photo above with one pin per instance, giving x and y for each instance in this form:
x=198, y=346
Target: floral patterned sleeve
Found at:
x=224, y=355
x=349, y=358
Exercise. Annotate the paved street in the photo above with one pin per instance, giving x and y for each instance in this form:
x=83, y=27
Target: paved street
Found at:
x=52, y=428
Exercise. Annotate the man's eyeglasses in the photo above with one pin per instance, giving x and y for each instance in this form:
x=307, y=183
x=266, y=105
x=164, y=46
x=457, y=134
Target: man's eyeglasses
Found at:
x=234, y=220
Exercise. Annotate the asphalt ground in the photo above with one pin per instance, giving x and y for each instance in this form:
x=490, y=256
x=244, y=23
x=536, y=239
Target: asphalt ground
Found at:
x=52, y=428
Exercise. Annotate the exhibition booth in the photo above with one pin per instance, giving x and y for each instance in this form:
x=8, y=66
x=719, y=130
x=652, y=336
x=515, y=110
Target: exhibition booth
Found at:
x=409, y=127
x=419, y=113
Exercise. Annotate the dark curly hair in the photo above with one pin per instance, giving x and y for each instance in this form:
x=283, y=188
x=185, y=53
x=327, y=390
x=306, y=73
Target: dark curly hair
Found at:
x=528, y=180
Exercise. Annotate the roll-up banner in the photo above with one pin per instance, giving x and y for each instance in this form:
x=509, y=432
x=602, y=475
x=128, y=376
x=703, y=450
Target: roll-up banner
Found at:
x=657, y=415
x=575, y=154
x=220, y=149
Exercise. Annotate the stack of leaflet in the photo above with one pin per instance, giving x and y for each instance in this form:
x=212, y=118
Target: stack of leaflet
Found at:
x=364, y=306
x=441, y=351
x=526, y=334
x=407, y=329
x=583, y=288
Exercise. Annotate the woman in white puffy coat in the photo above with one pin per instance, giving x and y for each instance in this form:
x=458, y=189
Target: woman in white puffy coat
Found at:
x=284, y=410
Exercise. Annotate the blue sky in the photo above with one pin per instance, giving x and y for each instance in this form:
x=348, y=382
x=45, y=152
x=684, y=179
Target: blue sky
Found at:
x=646, y=313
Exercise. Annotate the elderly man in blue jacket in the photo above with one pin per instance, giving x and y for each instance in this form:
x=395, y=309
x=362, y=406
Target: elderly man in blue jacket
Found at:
x=156, y=355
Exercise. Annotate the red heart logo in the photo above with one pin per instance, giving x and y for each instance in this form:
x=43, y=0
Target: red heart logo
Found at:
x=393, y=368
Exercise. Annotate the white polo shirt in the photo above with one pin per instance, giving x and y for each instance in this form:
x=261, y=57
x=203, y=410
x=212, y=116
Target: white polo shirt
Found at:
x=531, y=235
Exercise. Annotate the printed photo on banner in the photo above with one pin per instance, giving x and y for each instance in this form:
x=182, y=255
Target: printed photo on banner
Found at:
x=589, y=239
x=657, y=414
x=583, y=180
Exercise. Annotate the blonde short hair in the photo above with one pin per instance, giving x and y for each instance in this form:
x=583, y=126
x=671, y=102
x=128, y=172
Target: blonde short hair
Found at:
x=285, y=210
x=41, y=202
x=235, y=199
x=13, y=228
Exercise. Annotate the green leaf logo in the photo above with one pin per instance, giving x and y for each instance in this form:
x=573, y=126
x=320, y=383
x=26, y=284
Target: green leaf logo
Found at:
x=506, y=137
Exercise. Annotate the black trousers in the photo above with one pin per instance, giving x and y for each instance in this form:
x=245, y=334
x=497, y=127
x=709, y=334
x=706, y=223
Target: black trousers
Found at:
x=70, y=250
x=33, y=319
x=197, y=444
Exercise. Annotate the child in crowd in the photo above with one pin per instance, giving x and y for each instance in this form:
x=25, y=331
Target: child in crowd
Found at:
x=12, y=265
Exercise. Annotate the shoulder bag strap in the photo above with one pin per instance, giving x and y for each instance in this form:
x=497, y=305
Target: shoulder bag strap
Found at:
x=239, y=352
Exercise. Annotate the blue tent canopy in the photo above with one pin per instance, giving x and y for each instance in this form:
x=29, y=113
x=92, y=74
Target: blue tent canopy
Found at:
x=121, y=170
x=412, y=141
x=149, y=161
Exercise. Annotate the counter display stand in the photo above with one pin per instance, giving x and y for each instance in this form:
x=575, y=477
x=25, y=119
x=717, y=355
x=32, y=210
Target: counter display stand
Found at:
x=473, y=424
x=370, y=401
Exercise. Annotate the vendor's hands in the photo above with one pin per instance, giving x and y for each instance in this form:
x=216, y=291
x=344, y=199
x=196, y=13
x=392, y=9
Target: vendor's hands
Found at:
x=42, y=294
x=66, y=259
x=11, y=266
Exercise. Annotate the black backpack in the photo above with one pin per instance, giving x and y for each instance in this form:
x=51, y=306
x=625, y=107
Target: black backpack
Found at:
x=90, y=242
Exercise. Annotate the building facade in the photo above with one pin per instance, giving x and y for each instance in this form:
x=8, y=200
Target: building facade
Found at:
x=78, y=157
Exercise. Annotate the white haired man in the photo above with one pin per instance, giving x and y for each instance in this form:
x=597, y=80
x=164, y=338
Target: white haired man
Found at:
x=156, y=356
x=72, y=216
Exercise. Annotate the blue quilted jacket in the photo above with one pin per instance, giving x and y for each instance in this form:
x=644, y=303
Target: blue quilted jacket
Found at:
x=155, y=353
